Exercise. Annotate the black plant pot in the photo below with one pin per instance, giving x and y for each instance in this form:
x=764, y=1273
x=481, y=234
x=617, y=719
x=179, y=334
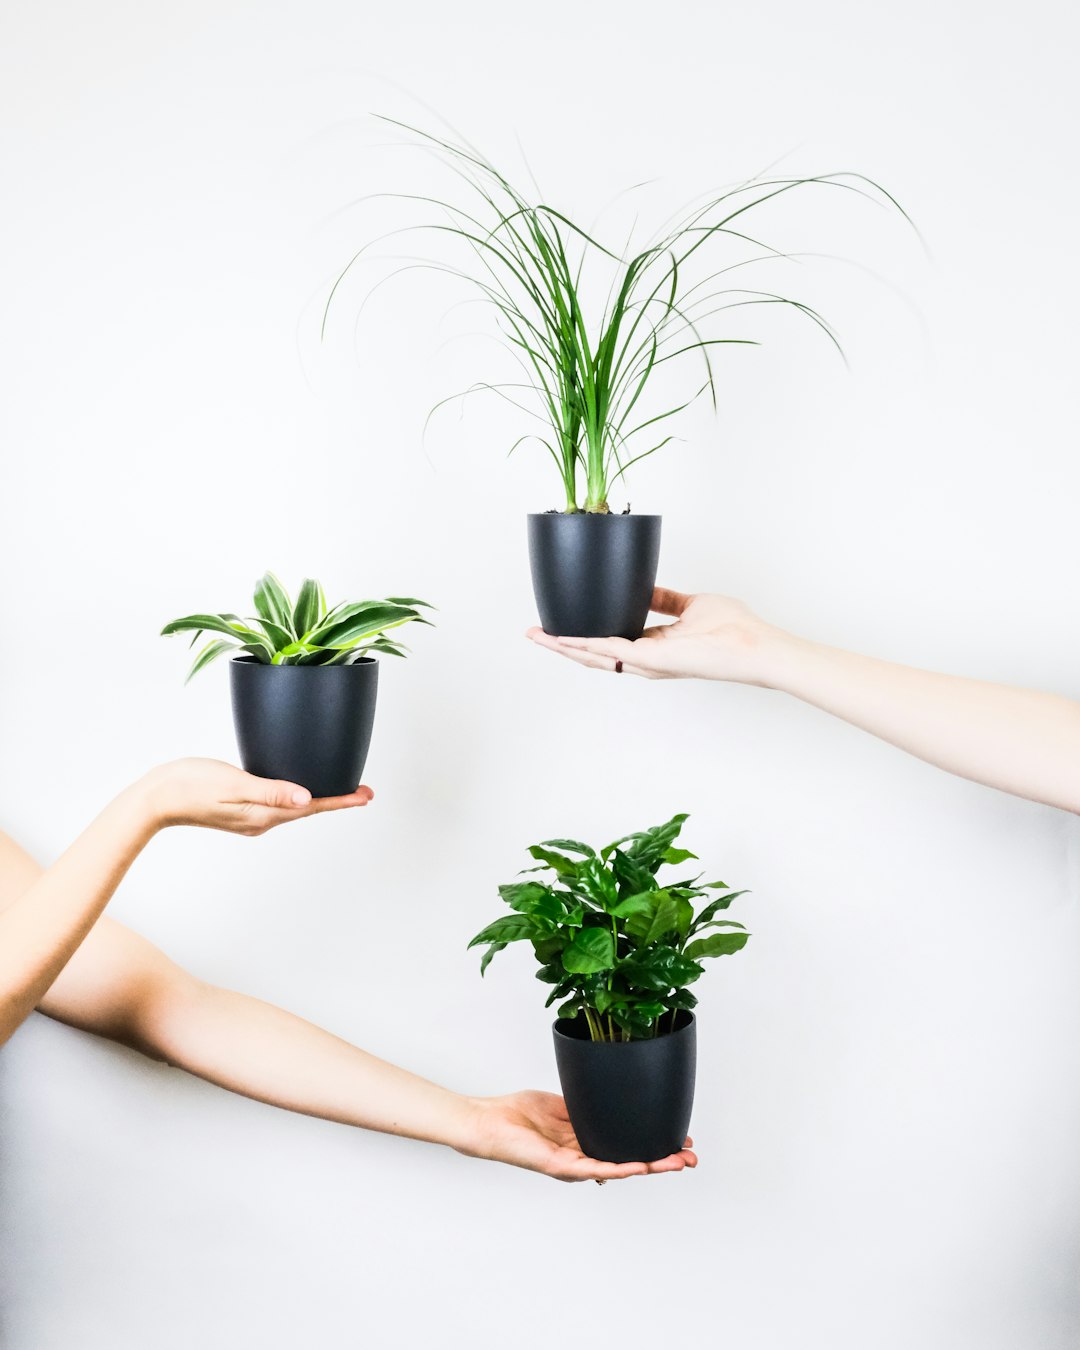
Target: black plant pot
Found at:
x=593, y=575
x=628, y=1101
x=308, y=724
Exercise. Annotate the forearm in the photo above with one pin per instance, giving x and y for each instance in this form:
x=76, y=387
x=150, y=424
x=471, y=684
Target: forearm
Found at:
x=1019, y=740
x=263, y=1052
x=44, y=925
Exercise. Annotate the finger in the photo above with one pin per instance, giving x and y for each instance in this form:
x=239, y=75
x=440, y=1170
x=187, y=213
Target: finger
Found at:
x=360, y=797
x=669, y=602
x=542, y=639
x=278, y=793
x=675, y=1162
x=616, y=648
x=586, y=1169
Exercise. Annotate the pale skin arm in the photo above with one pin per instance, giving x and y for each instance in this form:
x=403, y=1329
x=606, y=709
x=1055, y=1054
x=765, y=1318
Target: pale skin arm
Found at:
x=43, y=925
x=118, y=985
x=1021, y=741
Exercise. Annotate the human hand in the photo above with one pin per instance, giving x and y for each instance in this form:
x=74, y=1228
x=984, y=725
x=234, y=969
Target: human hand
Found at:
x=222, y=797
x=532, y=1130
x=713, y=638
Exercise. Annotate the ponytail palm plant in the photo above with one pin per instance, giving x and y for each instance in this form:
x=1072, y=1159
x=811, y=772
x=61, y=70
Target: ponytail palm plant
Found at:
x=589, y=367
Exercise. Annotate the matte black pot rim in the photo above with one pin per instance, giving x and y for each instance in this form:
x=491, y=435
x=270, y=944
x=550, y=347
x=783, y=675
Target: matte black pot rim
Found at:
x=251, y=661
x=594, y=515
x=623, y=1045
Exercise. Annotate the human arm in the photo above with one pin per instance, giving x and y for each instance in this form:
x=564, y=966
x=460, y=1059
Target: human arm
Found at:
x=120, y=986
x=1022, y=741
x=46, y=914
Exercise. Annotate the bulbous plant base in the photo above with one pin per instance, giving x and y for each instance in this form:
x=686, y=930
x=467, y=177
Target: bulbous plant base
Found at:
x=593, y=575
x=628, y=1101
x=308, y=724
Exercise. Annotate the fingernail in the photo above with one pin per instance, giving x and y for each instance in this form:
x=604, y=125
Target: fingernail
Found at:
x=300, y=797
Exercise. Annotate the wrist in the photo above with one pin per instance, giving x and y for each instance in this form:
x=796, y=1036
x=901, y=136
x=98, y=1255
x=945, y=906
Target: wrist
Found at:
x=781, y=657
x=143, y=806
x=469, y=1129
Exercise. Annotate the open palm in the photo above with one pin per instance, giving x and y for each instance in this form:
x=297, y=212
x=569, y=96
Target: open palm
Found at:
x=532, y=1130
x=712, y=637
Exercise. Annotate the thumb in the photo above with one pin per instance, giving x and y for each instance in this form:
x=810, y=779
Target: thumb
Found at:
x=279, y=793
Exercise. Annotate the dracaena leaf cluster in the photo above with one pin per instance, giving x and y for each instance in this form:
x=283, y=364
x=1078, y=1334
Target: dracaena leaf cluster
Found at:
x=302, y=633
x=587, y=367
x=619, y=946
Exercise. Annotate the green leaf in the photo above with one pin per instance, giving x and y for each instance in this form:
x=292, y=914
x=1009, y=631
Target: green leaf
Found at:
x=272, y=602
x=598, y=881
x=486, y=959
x=408, y=601
x=206, y=623
x=280, y=638
x=564, y=866
x=715, y=907
x=569, y=1009
x=592, y=950
x=674, y=856
x=510, y=928
x=350, y=624
x=636, y=904
x=659, y=969
x=572, y=844
x=209, y=653
x=522, y=895
x=548, y=946
x=718, y=944
x=632, y=877
x=670, y=914
x=682, y=998
x=648, y=847
x=260, y=651
x=306, y=614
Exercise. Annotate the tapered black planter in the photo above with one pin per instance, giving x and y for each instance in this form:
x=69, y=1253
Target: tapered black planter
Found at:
x=308, y=724
x=628, y=1101
x=593, y=575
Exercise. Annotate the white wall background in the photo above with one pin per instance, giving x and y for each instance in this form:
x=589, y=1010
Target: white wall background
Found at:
x=888, y=1104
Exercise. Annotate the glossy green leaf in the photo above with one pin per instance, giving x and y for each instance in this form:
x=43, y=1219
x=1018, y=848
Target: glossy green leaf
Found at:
x=209, y=653
x=598, y=882
x=642, y=904
x=485, y=960
x=717, y=944
x=522, y=895
x=633, y=879
x=272, y=602
x=659, y=969
x=306, y=612
x=410, y=602
x=205, y=623
x=573, y=845
x=279, y=637
x=356, y=622
x=590, y=951
x=559, y=862
x=715, y=907
x=510, y=928
x=674, y=856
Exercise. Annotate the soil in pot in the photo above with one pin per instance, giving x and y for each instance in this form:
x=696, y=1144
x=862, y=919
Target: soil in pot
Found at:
x=308, y=724
x=593, y=575
x=629, y=1101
